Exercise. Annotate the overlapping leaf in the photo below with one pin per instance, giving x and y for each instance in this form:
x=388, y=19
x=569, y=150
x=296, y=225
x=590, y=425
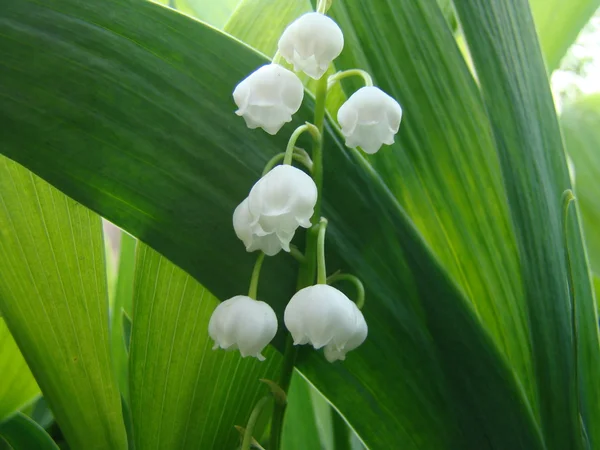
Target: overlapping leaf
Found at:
x=18, y=386
x=54, y=300
x=184, y=395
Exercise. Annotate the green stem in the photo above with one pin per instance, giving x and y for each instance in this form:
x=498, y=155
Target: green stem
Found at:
x=289, y=151
x=349, y=73
x=299, y=155
x=255, y=276
x=321, y=268
x=247, y=441
x=360, y=289
x=308, y=268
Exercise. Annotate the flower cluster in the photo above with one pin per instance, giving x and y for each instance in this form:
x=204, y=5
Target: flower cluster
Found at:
x=286, y=197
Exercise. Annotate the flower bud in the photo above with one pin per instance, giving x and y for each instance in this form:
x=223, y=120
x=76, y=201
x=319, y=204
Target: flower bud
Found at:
x=323, y=316
x=369, y=118
x=268, y=97
x=277, y=205
x=310, y=43
x=243, y=323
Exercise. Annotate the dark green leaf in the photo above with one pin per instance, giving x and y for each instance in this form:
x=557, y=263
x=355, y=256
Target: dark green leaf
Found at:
x=514, y=85
x=22, y=433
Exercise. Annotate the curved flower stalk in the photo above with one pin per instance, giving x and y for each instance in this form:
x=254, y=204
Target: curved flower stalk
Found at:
x=311, y=43
x=268, y=97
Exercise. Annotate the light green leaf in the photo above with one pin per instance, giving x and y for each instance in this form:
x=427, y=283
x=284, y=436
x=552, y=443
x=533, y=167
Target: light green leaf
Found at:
x=300, y=426
x=214, y=12
x=183, y=394
x=581, y=127
x=558, y=23
x=123, y=304
x=514, y=85
x=22, y=433
x=54, y=299
x=167, y=160
x=18, y=387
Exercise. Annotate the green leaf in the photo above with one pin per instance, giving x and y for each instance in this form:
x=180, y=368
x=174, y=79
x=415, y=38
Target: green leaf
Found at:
x=300, y=426
x=443, y=168
x=183, y=394
x=167, y=160
x=18, y=386
x=22, y=433
x=581, y=127
x=515, y=89
x=214, y=12
x=123, y=302
x=558, y=23
x=54, y=299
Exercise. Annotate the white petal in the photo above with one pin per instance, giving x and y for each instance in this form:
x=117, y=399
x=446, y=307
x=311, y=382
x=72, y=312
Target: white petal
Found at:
x=243, y=323
x=268, y=97
x=320, y=314
x=311, y=43
x=369, y=119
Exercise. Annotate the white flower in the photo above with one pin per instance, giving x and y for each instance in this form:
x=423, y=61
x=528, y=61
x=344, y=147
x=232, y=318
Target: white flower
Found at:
x=323, y=316
x=310, y=43
x=268, y=97
x=243, y=323
x=277, y=205
x=369, y=118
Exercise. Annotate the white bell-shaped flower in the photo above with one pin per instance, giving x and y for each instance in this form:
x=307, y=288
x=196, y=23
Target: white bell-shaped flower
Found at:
x=277, y=205
x=268, y=97
x=310, y=43
x=369, y=119
x=323, y=316
x=243, y=323
x=244, y=224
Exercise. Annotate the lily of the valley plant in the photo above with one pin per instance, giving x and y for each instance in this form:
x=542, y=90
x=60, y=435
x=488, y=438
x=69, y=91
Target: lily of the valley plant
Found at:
x=286, y=198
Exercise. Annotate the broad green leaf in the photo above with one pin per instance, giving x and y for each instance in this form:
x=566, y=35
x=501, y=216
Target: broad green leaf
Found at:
x=123, y=304
x=53, y=296
x=443, y=169
x=167, y=160
x=300, y=426
x=18, y=387
x=22, y=433
x=558, y=23
x=581, y=127
x=515, y=89
x=183, y=394
x=214, y=12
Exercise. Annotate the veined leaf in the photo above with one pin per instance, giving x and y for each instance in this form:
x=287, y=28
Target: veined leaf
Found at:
x=167, y=160
x=581, y=127
x=300, y=426
x=123, y=304
x=443, y=168
x=515, y=88
x=558, y=23
x=214, y=12
x=22, y=433
x=183, y=394
x=18, y=386
x=53, y=296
